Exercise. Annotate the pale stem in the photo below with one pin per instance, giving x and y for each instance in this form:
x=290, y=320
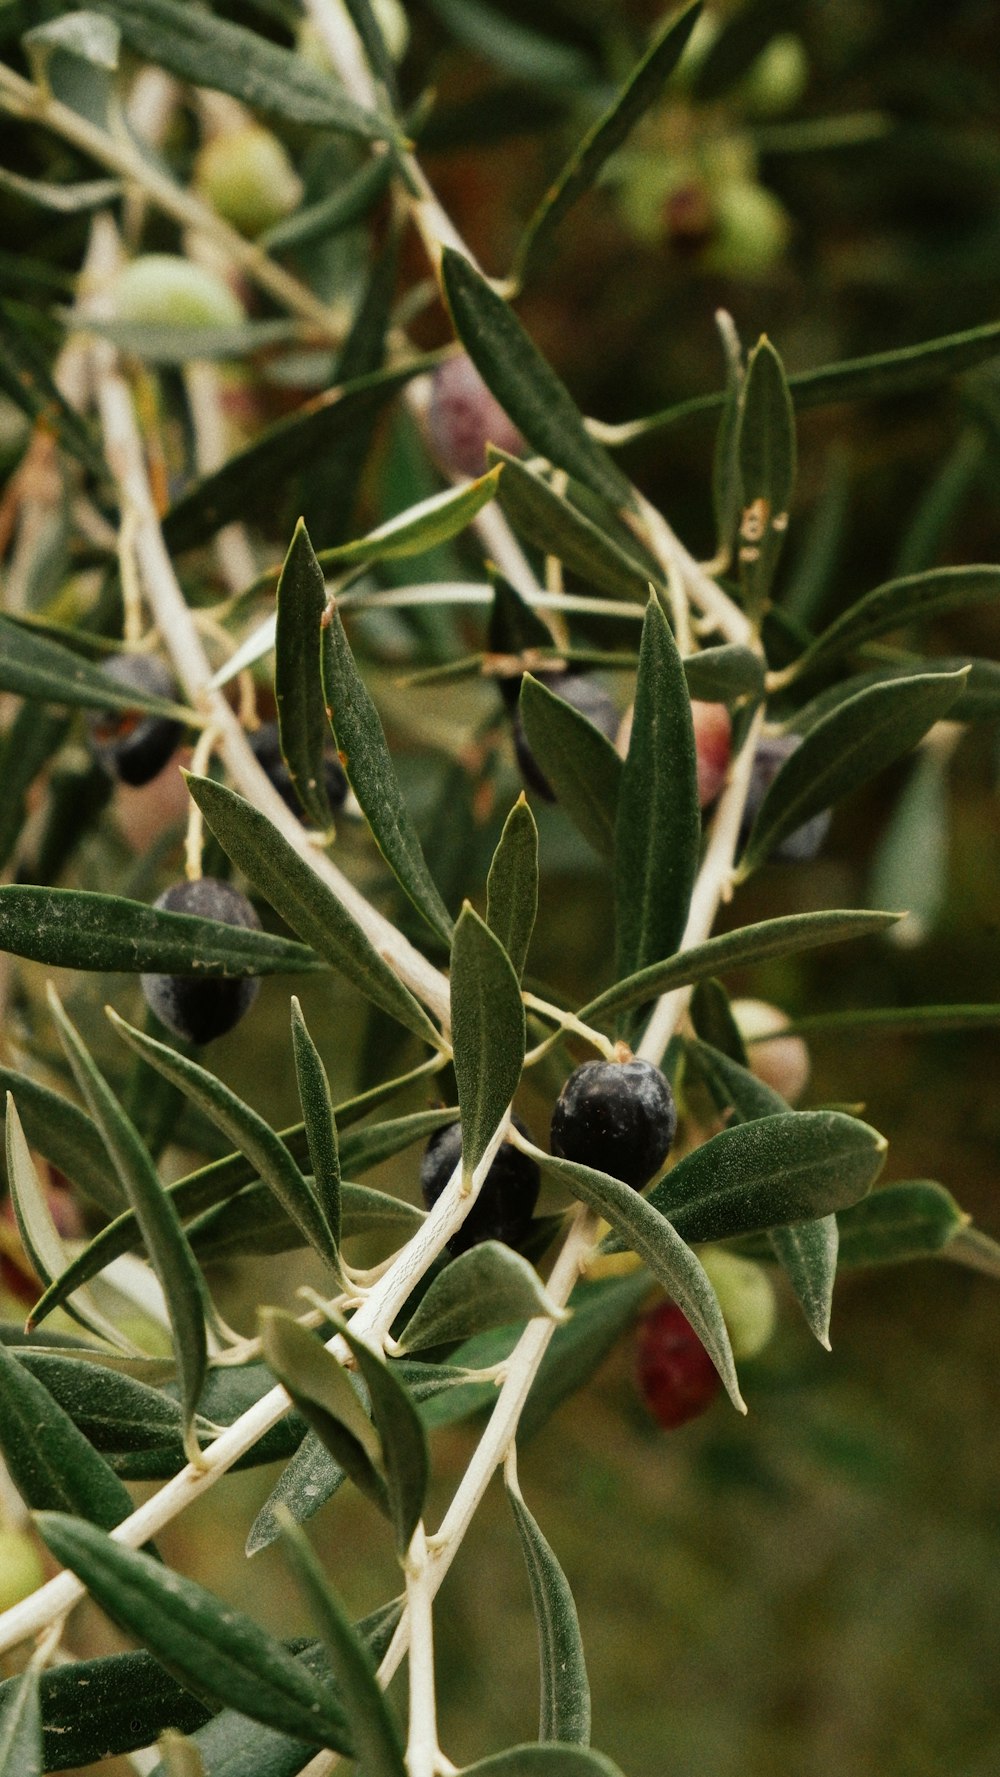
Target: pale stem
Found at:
x=471, y=592
x=422, y=1740
x=119, y=155
x=710, y=890
x=704, y=594
x=568, y=1021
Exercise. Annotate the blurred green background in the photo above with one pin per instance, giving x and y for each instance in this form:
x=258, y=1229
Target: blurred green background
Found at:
x=814, y=1589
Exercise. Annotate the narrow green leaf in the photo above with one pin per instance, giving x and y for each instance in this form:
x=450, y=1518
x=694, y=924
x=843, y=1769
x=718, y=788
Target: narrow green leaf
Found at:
x=404, y=1443
x=911, y=1220
x=524, y=53
x=646, y=1231
x=523, y=382
x=51, y=1463
x=579, y=761
x=21, y=1726
x=373, y=779
x=979, y=701
x=212, y=52
x=659, y=821
x=714, y=1023
x=373, y=1730
x=642, y=89
x=174, y=345
x=93, y=1709
x=534, y=1760
x=39, y=1235
x=910, y=866
x=164, y=1239
x=750, y=944
x=320, y=1388
x=766, y=469
x=897, y=604
x=210, y=1647
x=842, y=751
x=512, y=884
x=308, y=906
x=298, y=688
x=340, y=209
x=305, y=1484
x=320, y=1123
x=250, y=1132
x=33, y=666
x=488, y=1286
x=253, y=1221
x=25, y=749
x=114, y=1411
x=766, y=1173
x=727, y=486
x=421, y=527
x=487, y=1027
x=564, y=1713
x=902, y=1020
x=26, y=379
x=514, y=627
x=246, y=484
x=807, y=1250
x=554, y=525
x=80, y=929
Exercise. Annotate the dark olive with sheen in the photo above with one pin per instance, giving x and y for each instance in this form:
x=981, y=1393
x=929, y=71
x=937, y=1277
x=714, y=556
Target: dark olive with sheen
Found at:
x=130, y=745
x=506, y=1202
x=802, y=845
x=618, y=1117
x=198, y=1008
x=266, y=747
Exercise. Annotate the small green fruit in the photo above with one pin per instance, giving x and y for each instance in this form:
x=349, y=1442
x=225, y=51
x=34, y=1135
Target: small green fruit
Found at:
x=165, y=290
x=746, y=1296
x=778, y=78
x=247, y=176
x=752, y=231
x=21, y=1570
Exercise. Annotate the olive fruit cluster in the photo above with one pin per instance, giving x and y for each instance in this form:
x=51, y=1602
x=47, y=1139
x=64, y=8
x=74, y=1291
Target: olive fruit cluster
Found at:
x=618, y=1117
x=200, y=1009
x=677, y=1378
x=266, y=747
x=131, y=746
x=507, y=1196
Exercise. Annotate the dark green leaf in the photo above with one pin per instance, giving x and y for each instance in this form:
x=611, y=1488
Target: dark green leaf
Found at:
x=320, y=1388
x=26, y=380
x=714, y=1023
x=419, y=528
x=727, y=485
x=514, y=627
x=93, y=1709
x=306, y=1483
x=373, y=779
x=305, y=902
x=487, y=1286
x=298, y=688
x=21, y=1726
x=718, y=675
x=508, y=43
x=114, y=1411
x=543, y=1761
x=212, y=52
x=51, y=1463
x=162, y=1234
x=978, y=702
x=899, y=603
x=912, y=1220
x=33, y=666
x=766, y=1173
x=659, y=821
x=845, y=749
x=767, y=469
x=253, y=1221
x=643, y=87
x=26, y=748
x=644, y=1230
x=404, y=1443
x=339, y=210
x=512, y=884
x=902, y=1020
x=248, y=482
x=564, y=1713
x=176, y=345
x=373, y=1731
x=753, y=943
x=208, y=1646
x=79, y=929
x=548, y=520
x=320, y=1124
x=523, y=383
x=487, y=1027
x=579, y=761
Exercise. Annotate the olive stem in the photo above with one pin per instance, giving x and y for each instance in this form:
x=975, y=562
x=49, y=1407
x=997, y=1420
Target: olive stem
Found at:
x=568, y=1021
x=422, y=1740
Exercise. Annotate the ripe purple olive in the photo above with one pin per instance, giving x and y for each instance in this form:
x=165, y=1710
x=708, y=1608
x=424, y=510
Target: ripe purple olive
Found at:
x=802, y=845
x=463, y=417
x=584, y=695
x=618, y=1117
x=199, y=1009
x=677, y=1378
x=266, y=748
x=130, y=745
x=507, y=1198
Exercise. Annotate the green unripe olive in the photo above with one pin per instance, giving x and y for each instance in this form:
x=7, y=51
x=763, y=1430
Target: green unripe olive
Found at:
x=165, y=290
x=21, y=1569
x=247, y=177
x=746, y=1297
x=778, y=78
x=752, y=230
